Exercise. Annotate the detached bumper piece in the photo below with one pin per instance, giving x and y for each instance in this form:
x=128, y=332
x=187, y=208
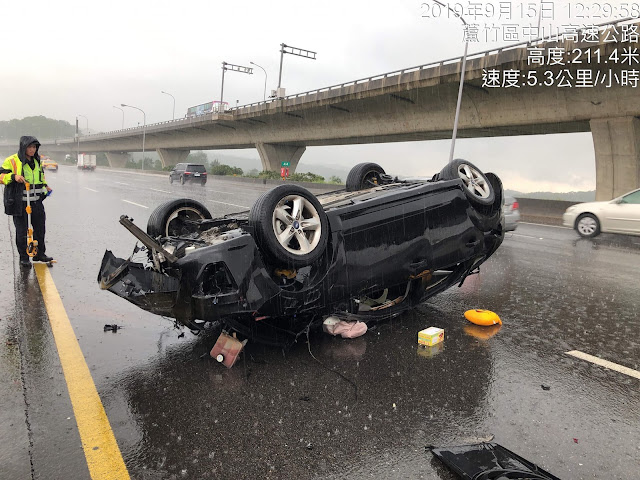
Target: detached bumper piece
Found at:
x=485, y=461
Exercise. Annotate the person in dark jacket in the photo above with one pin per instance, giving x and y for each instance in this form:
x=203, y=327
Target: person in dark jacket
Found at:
x=19, y=168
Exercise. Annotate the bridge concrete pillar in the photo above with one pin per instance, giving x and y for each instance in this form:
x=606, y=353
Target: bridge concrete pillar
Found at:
x=117, y=160
x=272, y=156
x=171, y=156
x=617, y=145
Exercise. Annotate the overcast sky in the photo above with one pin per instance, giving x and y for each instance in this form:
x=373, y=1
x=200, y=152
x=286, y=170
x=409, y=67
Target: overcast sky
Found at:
x=66, y=58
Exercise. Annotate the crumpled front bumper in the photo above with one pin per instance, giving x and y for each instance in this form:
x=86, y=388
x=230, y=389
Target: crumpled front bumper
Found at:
x=193, y=290
x=144, y=288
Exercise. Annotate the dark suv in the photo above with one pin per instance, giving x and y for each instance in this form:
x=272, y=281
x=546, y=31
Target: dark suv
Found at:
x=188, y=172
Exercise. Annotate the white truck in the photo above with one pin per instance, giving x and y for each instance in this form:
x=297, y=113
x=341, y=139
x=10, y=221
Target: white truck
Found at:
x=86, y=162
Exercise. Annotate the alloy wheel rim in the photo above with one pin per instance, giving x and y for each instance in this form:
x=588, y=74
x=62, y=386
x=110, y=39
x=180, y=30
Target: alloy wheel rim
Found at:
x=474, y=181
x=296, y=225
x=587, y=226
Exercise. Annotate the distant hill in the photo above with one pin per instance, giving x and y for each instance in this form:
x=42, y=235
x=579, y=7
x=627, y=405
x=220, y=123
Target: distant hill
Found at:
x=585, y=196
x=40, y=127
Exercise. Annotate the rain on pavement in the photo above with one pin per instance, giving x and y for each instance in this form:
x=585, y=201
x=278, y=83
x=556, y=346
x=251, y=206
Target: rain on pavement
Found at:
x=329, y=407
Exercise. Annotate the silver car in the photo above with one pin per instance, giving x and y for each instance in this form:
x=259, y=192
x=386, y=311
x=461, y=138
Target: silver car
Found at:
x=620, y=215
x=511, y=212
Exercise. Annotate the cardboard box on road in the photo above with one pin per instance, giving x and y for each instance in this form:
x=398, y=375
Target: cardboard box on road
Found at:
x=430, y=336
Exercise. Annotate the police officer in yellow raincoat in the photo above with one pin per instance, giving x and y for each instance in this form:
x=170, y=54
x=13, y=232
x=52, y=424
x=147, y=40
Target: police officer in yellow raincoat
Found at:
x=19, y=168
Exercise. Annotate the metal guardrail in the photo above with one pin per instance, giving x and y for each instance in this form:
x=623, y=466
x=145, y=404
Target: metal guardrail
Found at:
x=200, y=118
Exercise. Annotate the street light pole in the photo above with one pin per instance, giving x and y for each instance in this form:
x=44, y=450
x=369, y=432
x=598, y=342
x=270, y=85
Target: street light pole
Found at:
x=77, y=139
x=464, y=65
x=144, y=128
x=87, y=122
x=174, y=103
x=78, y=131
x=265, y=80
x=122, y=115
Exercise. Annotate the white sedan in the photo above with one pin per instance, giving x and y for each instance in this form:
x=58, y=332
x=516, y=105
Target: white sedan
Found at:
x=620, y=215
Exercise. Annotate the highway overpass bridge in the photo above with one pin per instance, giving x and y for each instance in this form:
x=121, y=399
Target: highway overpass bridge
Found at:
x=419, y=104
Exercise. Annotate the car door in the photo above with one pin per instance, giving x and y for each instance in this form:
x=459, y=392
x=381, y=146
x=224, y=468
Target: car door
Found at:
x=623, y=216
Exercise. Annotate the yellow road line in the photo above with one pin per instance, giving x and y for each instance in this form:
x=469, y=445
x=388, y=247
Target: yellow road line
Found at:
x=604, y=363
x=100, y=447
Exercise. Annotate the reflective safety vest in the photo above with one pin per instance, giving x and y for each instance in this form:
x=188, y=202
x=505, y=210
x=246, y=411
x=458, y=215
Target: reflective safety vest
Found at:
x=33, y=176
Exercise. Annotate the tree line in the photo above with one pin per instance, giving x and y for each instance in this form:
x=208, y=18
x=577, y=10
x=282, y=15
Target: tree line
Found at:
x=41, y=127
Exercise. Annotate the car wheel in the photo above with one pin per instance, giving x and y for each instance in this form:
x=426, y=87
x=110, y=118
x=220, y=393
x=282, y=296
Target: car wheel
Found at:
x=172, y=218
x=181, y=179
x=170, y=179
x=289, y=225
x=203, y=183
x=477, y=187
x=588, y=225
x=364, y=175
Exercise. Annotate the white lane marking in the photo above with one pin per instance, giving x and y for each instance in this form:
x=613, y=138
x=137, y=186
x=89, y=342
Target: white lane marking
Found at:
x=544, y=225
x=91, y=189
x=134, y=203
x=528, y=236
x=158, y=190
x=66, y=181
x=232, y=204
x=122, y=183
x=604, y=363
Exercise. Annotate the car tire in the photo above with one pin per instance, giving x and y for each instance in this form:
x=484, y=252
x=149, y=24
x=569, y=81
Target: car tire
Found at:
x=203, y=183
x=181, y=179
x=168, y=219
x=477, y=187
x=363, y=176
x=587, y=225
x=170, y=179
x=271, y=216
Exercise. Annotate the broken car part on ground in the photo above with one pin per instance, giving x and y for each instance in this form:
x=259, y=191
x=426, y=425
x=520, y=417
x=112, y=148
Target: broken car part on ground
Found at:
x=484, y=461
x=274, y=272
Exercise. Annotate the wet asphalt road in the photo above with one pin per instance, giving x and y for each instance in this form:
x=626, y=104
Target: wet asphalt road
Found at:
x=280, y=414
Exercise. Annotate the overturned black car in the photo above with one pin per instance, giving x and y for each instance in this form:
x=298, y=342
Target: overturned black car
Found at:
x=378, y=247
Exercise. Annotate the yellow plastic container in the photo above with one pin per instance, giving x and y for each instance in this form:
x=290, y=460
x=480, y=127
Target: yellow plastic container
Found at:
x=482, y=317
